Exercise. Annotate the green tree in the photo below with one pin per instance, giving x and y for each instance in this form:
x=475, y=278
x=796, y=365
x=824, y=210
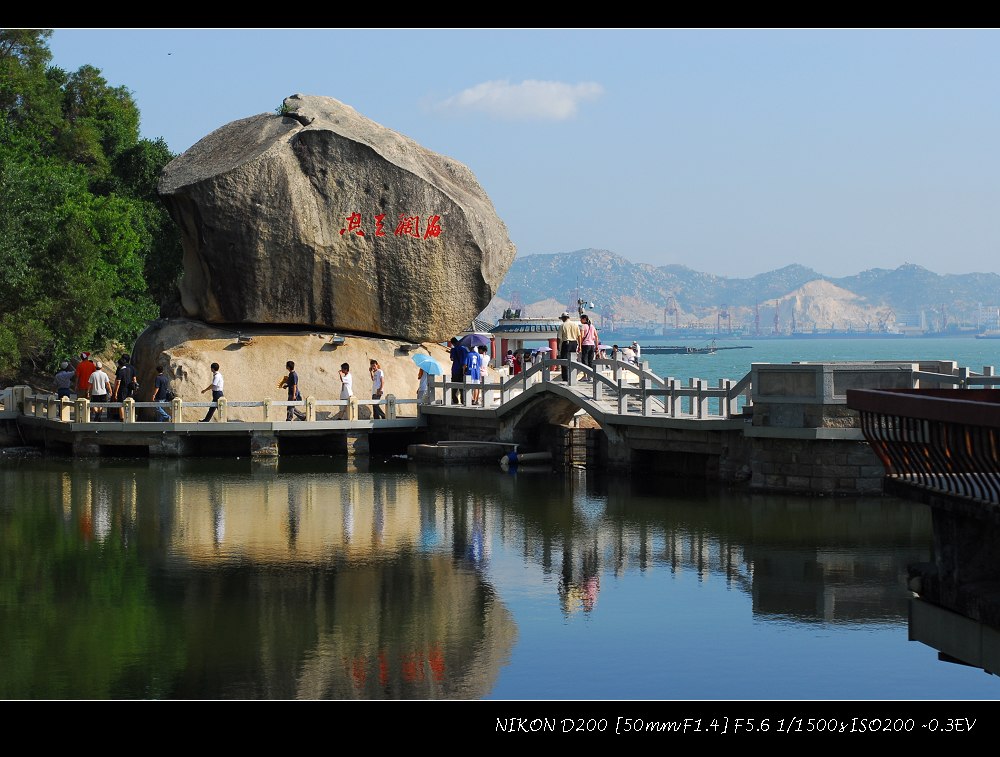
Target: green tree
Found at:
x=87, y=251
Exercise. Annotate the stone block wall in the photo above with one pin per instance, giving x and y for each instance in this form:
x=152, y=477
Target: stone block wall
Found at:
x=817, y=466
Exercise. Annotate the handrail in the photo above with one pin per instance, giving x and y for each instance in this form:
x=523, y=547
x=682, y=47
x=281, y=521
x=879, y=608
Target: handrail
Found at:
x=657, y=396
x=941, y=440
x=80, y=410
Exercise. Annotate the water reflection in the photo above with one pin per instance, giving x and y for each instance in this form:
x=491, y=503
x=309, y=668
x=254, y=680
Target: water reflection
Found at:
x=306, y=579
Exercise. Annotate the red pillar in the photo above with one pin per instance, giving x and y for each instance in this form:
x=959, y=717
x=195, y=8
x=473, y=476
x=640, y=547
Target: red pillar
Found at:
x=554, y=347
x=503, y=349
x=493, y=350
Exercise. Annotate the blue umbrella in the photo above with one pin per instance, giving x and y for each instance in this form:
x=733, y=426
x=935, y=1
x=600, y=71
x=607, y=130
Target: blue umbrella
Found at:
x=432, y=367
x=475, y=340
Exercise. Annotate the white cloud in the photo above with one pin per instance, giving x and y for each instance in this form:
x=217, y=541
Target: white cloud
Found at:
x=527, y=101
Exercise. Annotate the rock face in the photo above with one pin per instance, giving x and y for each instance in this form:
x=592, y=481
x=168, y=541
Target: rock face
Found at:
x=267, y=207
x=186, y=349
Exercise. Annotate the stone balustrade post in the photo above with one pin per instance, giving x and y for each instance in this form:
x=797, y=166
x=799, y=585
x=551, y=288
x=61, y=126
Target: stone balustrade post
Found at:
x=83, y=410
x=729, y=406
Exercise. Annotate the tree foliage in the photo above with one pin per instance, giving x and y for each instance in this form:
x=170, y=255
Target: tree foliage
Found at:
x=87, y=251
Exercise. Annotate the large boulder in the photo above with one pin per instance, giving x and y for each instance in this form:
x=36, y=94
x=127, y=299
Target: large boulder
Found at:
x=265, y=206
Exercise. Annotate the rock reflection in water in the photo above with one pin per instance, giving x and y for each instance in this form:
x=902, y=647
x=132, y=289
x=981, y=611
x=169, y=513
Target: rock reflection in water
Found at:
x=298, y=586
x=303, y=578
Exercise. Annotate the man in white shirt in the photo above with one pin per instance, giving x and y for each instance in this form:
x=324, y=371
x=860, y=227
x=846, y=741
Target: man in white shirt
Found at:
x=378, y=386
x=346, y=390
x=100, y=385
x=216, y=388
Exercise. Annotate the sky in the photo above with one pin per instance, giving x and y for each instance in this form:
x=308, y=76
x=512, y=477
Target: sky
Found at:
x=732, y=152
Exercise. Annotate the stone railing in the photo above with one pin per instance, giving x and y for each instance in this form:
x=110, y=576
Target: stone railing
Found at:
x=814, y=395
x=82, y=410
x=627, y=388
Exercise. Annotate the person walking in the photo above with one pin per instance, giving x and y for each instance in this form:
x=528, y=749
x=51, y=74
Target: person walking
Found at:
x=98, y=386
x=291, y=382
x=458, y=356
x=473, y=371
x=378, y=387
x=484, y=368
x=588, y=340
x=83, y=370
x=346, y=390
x=64, y=380
x=216, y=388
x=161, y=394
x=569, y=341
x=421, y=386
x=126, y=382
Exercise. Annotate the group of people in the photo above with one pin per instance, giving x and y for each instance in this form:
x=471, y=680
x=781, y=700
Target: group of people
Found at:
x=631, y=354
x=582, y=338
x=577, y=338
x=467, y=362
x=89, y=379
x=290, y=383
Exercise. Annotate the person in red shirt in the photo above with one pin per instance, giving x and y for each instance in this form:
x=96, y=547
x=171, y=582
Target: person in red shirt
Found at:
x=83, y=370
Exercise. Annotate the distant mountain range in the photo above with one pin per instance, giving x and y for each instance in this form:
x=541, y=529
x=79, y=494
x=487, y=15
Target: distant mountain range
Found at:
x=624, y=290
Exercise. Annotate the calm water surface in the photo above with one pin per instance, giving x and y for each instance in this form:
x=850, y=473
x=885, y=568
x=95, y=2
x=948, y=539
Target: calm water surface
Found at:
x=310, y=578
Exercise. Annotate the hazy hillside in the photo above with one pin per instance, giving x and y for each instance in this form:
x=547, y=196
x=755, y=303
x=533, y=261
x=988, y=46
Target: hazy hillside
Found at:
x=622, y=289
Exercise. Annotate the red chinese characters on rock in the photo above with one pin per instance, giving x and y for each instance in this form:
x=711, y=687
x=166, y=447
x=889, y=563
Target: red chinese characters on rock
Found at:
x=433, y=227
x=408, y=226
x=353, y=224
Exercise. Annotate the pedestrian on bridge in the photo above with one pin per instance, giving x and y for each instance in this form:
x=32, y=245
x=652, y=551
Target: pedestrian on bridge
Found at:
x=458, y=355
x=569, y=341
x=64, y=380
x=346, y=391
x=291, y=382
x=83, y=370
x=126, y=382
x=378, y=387
x=99, y=385
x=162, y=394
x=216, y=389
x=588, y=340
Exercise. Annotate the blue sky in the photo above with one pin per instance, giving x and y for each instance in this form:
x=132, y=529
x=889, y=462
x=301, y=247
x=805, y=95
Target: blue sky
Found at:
x=730, y=151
